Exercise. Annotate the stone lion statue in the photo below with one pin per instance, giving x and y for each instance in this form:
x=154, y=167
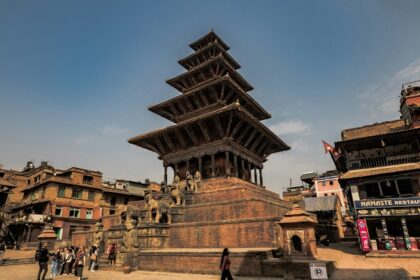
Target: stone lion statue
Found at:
x=161, y=208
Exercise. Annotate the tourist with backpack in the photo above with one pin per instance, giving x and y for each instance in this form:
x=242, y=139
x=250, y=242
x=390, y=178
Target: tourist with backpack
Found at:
x=93, y=255
x=80, y=262
x=42, y=256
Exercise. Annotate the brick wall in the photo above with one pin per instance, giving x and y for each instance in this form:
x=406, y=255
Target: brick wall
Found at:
x=240, y=233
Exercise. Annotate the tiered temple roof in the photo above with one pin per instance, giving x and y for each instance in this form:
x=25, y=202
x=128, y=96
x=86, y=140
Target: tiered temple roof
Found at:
x=217, y=126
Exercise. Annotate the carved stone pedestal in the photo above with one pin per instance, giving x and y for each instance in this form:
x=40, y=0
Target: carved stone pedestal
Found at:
x=177, y=213
x=127, y=261
x=153, y=235
x=188, y=197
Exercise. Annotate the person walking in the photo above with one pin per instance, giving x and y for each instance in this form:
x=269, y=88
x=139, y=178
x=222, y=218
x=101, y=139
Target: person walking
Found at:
x=80, y=262
x=225, y=265
x=43, y=257
x=55, y=263
x=112, y=253
x=93, y=255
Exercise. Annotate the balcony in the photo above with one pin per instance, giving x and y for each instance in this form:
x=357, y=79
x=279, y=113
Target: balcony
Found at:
x=385, y=160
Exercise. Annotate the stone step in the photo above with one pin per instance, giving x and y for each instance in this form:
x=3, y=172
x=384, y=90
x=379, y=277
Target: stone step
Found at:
x=17, y=261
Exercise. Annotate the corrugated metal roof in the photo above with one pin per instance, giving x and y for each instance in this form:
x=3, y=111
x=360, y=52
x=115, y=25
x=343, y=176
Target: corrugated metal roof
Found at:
x=323, y=203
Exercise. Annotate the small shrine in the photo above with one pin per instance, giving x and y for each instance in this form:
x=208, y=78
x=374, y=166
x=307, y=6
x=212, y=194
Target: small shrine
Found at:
x=299, y=233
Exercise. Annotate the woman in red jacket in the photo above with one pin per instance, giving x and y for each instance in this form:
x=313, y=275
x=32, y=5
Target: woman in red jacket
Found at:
x=225, y=265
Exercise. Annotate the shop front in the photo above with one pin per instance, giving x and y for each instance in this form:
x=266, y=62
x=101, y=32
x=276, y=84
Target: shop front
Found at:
x=392, y=224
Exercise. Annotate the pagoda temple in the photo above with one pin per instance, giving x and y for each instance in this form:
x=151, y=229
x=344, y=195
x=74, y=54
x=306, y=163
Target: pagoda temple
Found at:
x=218, y=129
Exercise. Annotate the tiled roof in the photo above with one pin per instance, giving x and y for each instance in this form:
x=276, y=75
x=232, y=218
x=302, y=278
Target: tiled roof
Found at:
x=5, y=183
x=372, y=130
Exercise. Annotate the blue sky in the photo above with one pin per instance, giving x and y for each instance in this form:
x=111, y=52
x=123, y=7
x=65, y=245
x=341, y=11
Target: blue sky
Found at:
x=76, y=77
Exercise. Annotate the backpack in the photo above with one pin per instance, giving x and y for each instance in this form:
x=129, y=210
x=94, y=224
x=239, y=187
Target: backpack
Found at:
x=43, y=255
x=37, y=254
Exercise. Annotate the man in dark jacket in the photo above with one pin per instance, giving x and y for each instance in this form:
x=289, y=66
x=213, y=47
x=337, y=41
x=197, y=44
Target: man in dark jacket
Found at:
x=42, y=258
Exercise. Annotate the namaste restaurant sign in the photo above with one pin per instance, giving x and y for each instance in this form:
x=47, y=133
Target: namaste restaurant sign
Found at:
x=388, y=203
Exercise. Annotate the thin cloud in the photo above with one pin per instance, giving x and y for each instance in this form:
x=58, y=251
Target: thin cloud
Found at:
x=385, y=96
x=289, y=127
x=83, y=140
x=113, y=130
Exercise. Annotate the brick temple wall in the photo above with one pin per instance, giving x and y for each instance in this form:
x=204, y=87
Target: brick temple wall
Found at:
x=247, y=233
x=245, y=263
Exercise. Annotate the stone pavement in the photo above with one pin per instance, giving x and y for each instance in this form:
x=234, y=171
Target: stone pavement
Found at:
x=351, y=265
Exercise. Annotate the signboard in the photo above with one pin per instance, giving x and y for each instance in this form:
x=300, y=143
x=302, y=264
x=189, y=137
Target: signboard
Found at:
x=318, y=271
x=413, y=211
x=363, y=234
x=388, y=203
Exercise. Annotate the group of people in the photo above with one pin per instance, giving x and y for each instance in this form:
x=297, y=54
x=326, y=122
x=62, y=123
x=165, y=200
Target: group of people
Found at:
x=72, y=260
x=69, y=260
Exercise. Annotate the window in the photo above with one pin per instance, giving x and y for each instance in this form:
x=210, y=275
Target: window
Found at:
x=405, y=188
x=91, y=195
x=61, y=192
x=74, y=213
x=331, y=183
x=29, y=181
x=111, y=212
x=389, y=189
x=113, y=201
x=58, y=211
x=76, y=193
x=87, y=180
x=372, y=191
x=324, y=183
x=325, y=194
x=89, y=214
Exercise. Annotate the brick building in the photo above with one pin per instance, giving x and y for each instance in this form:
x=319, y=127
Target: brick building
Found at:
x=72, y=200
x=380, y=165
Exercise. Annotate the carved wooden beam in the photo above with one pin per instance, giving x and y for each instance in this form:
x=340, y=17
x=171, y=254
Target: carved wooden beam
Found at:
x=204, y=130
x=181, y=107
x=236, y=128
x=222, y=91
x=251, y=137
x=181, y=138
x=196, y=102
x=230, y=94
x=173, y=109
x=160, y=145
x=257, y=142
x=189, y=104
x=229, y=124
x=243, y=133
x=192, y=135
x=261, y=148
x=169, y=142
x=219, y=127
x=204, y=99
x=150, y=147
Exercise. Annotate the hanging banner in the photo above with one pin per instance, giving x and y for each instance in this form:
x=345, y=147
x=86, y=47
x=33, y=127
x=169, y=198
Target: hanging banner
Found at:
x=364, y=235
